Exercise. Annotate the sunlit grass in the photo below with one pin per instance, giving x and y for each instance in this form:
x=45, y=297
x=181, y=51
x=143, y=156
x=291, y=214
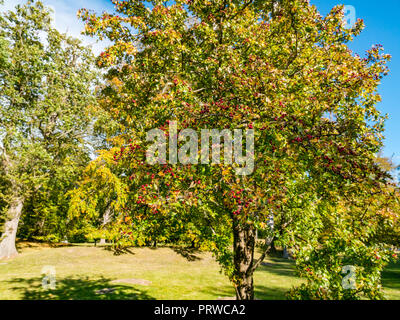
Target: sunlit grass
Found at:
x=174, y=274
x=391, y=281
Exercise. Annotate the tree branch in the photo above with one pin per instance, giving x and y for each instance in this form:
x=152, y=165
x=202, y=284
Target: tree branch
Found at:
x=261, y=259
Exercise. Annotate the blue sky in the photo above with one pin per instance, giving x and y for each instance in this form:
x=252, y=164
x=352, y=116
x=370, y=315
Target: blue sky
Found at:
x=382, y=26
x=382, y=22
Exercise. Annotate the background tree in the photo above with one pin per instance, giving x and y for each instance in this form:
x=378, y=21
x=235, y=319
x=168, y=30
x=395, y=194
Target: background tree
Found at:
x=46, y=89
x=99, y=197
x=279, y=68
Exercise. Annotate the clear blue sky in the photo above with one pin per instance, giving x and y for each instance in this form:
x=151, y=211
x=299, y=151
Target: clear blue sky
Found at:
x=382, y=19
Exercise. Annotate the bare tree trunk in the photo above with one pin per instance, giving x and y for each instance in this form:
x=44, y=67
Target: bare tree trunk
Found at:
x=7, y=244
x=106, y=219
x=244, y=244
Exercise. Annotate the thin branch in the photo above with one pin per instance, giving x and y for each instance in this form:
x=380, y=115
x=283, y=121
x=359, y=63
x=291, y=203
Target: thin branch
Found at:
x=242, y=9
x=261, y=259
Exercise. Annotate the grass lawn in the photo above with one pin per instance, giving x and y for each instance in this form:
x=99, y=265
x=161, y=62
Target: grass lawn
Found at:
x=145, y=273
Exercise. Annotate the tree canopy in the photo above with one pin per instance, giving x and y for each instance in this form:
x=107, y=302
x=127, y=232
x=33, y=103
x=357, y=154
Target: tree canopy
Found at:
x=46, y=91
x=278, y=68
x=264, y=126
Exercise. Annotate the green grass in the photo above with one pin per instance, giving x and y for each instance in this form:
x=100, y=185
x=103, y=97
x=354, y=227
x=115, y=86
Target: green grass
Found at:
x=174, y=274
x=391, y=281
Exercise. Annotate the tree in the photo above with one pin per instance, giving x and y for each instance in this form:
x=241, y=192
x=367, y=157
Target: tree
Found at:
x=341, y=250
x=278, y=68
x=3, y=53
x=99, y=197
x=46, y=85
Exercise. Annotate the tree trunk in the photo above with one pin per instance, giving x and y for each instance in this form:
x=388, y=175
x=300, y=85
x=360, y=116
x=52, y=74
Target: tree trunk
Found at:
x=285, y=254
x=244, y=244
x=106, y=219
x=7, y=244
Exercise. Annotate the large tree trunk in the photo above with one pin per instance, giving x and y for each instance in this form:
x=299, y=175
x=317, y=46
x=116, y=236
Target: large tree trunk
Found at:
x=7, y=244
x=244, y=244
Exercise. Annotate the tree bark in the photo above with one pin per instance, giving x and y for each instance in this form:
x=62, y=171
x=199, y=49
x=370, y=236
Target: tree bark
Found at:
x=7, y=240
x=285, y=254
x=243, y=245
x=106, y=219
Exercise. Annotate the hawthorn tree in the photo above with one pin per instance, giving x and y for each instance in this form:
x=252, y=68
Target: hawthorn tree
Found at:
x=276, y=67
x=46, y=85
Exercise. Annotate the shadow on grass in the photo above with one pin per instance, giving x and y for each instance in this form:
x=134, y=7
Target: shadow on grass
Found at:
x=279, y=266
x=20, y=245
x=260, y=292
x=269, y=293
x=77, y=289
x=391, y=276
x=188, y=253
x=118, y=251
